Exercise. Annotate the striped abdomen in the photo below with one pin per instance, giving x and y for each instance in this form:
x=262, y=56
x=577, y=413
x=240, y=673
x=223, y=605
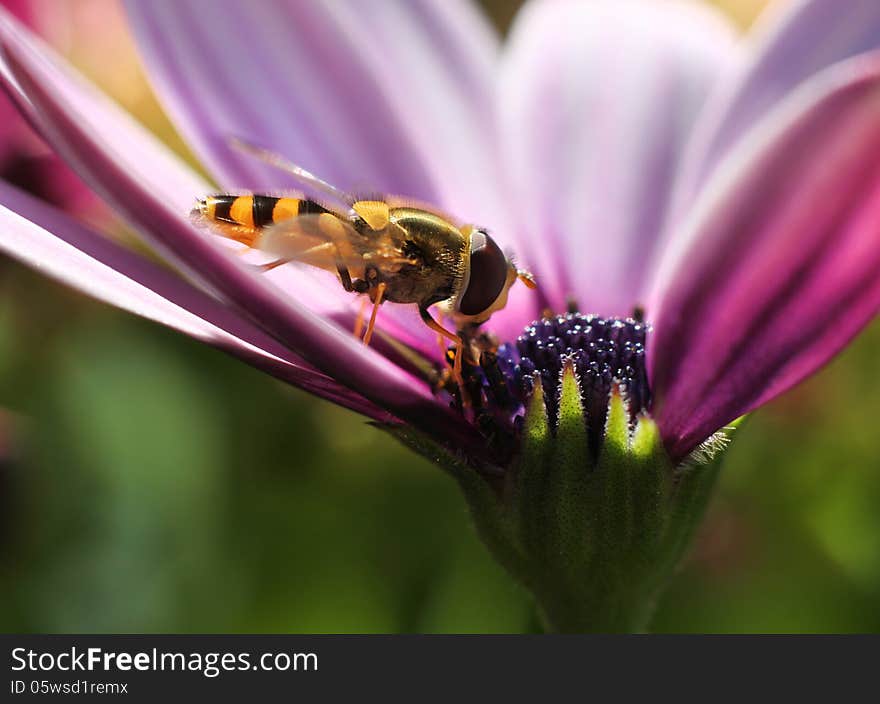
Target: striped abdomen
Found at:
x=248, y=214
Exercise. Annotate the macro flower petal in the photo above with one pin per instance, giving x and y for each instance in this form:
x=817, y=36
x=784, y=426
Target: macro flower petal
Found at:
x=173, y=180
x=792, y=42
x=596, y=102
x=778, y=265
x=395, y=99
x=56, y=245
x=70, y=126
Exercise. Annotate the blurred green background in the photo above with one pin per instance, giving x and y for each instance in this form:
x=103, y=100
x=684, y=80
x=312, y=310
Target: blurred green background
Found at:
x=151, y=484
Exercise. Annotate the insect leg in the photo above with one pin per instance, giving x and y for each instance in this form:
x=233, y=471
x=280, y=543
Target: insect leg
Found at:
x=268, y=266
x=359, y=321
x=455, y=339
x=377, y=301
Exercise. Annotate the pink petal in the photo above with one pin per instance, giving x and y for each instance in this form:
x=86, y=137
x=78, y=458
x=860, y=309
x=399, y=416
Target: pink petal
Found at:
x=83, y=259
x=792, y=42
x=778, y=266
x=24, y=158
x=86, y=136
x=138, y=149
x=597, y=100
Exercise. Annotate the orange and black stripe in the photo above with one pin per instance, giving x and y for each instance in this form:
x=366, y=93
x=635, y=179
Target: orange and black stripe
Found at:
x=255, y=212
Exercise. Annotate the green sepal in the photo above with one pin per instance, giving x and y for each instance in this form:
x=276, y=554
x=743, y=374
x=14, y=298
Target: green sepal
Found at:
x=593, y=533
x=568, y=486
x=529, y=480
x=693, y=482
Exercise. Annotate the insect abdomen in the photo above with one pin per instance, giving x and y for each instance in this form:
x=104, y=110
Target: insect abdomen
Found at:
x=255, y=212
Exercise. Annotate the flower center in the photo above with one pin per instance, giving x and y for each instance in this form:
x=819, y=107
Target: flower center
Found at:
x=604, y=353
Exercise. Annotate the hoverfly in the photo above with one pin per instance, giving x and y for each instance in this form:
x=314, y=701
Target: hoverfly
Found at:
x=388, y=249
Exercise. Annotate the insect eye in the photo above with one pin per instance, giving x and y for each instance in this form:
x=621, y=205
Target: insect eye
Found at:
x=489, y=269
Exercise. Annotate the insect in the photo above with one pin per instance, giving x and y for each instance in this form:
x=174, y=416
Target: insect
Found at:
x=385, y=248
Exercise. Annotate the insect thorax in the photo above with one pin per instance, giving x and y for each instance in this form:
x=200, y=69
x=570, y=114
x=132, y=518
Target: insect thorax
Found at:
x=437, y=249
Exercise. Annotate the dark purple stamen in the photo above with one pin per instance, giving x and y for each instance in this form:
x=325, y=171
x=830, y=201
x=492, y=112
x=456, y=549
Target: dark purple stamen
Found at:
x=603, y=351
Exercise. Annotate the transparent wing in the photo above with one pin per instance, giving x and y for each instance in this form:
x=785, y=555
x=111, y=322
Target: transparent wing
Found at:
x=305, y=178
x=327, y=242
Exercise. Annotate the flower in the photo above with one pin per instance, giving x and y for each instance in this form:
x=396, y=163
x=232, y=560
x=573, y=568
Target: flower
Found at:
x=632, y=153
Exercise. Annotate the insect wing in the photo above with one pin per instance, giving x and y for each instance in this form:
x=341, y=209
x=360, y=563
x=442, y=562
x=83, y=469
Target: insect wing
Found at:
x=326, y=241
x=304, y=178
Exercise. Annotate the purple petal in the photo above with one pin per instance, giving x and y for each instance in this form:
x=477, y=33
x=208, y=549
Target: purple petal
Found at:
x=793, y=42
x=77, y=256
x=140, y=154
x=779, y=265
x=597, y=100
x=397, y=99
x=77, y=128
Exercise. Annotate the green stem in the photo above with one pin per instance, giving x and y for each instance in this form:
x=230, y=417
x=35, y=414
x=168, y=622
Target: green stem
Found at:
x=596, y=613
